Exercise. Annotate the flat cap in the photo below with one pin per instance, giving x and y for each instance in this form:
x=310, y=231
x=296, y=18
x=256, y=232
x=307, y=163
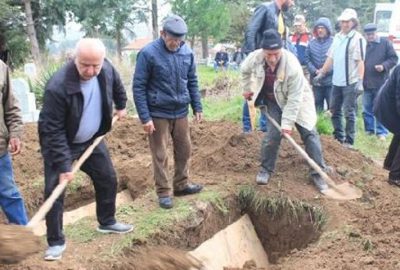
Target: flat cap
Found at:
x=175, y=25
x=370, y=27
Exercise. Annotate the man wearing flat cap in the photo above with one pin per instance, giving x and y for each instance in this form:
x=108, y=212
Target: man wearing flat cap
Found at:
x=380, y=57
x=164, y=85
x=281, y=91
x=346, y=56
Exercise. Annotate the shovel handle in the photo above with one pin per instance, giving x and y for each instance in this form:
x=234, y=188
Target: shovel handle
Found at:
x=252, y=114
x=48, y=204
x=303, y=153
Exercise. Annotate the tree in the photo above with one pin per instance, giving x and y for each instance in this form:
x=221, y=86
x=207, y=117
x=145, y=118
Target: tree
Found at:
x=154, y=18
x=110, y=18
x=30, y=26
x=205, y=19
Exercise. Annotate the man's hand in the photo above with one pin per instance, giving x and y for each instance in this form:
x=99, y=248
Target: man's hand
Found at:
x=317, y=79
x=359, y=87
x=15, y=146
x=66, y=177
x=286, y=131
x=121, y=113
x=248, y=95
x=149, y=127
x=379, y=68
x=198, y=117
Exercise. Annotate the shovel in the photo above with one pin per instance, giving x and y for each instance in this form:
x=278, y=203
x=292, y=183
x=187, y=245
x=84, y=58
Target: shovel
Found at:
x=252, y=114
x=18, y=242
x=345, y=191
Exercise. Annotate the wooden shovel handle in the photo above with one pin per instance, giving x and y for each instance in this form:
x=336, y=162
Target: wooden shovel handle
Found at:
x=48, y=204
x=252, y=114
x=303, y=153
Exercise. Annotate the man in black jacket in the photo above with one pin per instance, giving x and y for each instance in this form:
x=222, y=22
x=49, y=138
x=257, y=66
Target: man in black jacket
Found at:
x=77, y=108
x=387, y=111
x=380, y=57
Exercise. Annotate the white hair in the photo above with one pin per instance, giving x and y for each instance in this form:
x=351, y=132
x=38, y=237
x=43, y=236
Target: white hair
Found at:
x=93, y=44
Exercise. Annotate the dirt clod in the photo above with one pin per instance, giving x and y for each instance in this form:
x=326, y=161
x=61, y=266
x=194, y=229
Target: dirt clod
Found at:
x=16, y=243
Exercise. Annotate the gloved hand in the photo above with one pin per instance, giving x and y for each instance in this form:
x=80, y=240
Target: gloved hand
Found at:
x=248, y=95
x=317, y=79
x=359, y=87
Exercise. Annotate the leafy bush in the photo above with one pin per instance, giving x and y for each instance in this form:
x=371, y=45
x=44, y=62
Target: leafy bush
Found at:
x=39, y=84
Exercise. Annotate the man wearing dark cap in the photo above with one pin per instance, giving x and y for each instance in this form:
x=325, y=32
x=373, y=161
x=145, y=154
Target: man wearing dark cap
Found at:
x=164, y=85
x=281, y=90
x=380, y=57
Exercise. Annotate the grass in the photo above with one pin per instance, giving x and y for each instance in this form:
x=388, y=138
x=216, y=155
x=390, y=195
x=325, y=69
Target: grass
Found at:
x=260, y=203
x=215, y=198
x=230, y=110
x=207, y=75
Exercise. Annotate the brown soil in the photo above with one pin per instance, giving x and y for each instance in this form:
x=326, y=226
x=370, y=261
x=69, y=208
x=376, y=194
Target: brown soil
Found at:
x=361, y=234
x=249, y=265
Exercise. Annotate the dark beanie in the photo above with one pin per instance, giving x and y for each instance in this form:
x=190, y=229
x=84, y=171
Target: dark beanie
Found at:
x=271, y=40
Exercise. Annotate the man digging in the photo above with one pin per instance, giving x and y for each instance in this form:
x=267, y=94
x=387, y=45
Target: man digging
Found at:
x=282, y=91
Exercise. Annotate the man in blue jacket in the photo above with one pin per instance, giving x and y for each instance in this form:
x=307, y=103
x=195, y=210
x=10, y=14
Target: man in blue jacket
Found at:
x=164, y=84
x=315, y=57
x=387, y=111
x=380, y=57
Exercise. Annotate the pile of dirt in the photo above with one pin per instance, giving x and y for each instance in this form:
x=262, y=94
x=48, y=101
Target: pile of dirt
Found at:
x=361, y=234
x=249, y=265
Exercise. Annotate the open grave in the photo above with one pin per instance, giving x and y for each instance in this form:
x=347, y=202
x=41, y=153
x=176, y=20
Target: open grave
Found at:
x=297, y=228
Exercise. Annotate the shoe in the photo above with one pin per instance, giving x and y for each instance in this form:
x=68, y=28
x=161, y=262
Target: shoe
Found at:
x=348, y=145
x=189, y=189
x=165, y=202
x=119, y=228
x=54, y=253
x=395, y=182
x=382, y=138
x=262, y=177
x=319, y=182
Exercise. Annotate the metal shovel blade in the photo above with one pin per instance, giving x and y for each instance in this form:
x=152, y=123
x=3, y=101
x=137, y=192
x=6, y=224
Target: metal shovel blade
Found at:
x=343, y=192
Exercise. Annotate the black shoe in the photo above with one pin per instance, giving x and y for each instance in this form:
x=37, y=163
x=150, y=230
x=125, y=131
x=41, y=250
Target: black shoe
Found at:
x=189, y=189
x=395, y=182
x=165, y=202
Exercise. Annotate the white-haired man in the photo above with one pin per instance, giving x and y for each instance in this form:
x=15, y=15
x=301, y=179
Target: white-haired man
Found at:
x=77, y=108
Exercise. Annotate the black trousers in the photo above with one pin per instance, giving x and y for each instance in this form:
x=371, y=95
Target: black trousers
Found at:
x=100, y=169
x=392, y=160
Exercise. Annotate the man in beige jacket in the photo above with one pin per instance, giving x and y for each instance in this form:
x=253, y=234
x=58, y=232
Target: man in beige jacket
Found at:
x=278, y=87
x=11, y=201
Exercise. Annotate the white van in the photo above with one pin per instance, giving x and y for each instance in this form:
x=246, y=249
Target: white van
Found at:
x=387, y=19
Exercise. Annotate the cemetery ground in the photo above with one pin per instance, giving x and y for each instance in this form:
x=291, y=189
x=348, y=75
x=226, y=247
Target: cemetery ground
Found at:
x=297, y=226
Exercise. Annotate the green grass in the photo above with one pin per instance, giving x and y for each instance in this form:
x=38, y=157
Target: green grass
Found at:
x=207, y=75
x=215, y=198
x=230, y=110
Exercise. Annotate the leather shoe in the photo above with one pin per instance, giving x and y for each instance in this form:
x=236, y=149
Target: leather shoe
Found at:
x=189, y=189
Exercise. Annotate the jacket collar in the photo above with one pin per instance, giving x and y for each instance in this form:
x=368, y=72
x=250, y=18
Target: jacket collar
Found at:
x=280, y=73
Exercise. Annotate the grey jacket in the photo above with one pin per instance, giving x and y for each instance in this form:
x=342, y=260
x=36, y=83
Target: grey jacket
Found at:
x=10, y=114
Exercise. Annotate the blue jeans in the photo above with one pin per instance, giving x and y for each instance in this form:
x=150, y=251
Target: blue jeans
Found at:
x=262, y=121
x=217, y=66
x=272, y=140
x=10, y=199
x=368, y=114
x=321, y=94
x=344, y=99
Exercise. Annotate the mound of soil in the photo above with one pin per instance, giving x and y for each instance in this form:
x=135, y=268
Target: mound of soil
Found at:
x=361, y=234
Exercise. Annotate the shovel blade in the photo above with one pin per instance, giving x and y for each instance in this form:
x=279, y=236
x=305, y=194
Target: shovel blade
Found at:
x=343, y=192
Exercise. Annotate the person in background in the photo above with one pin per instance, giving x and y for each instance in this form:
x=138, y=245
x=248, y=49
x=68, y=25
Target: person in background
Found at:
x=315, y=57
x=11, y=201
x=300, y=40
x=346, y=55
x=237, y=58
x=387, y=111
x=163, y=91
x=281, y=90
x=380, y=57
x=78, y=108
x=221, y=60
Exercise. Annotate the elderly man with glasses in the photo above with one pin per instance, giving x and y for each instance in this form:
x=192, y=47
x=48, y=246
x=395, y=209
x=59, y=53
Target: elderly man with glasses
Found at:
x=164, y=85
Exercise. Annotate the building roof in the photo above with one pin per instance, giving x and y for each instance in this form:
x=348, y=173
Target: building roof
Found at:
x=137, y=44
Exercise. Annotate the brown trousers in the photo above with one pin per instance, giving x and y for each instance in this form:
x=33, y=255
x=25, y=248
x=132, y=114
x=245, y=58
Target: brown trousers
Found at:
x=178, y=129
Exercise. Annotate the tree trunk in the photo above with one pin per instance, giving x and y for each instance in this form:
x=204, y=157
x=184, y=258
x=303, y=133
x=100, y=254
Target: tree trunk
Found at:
x=30, y=26
x=154, y=18
x=204, y=46
x=119, y=45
